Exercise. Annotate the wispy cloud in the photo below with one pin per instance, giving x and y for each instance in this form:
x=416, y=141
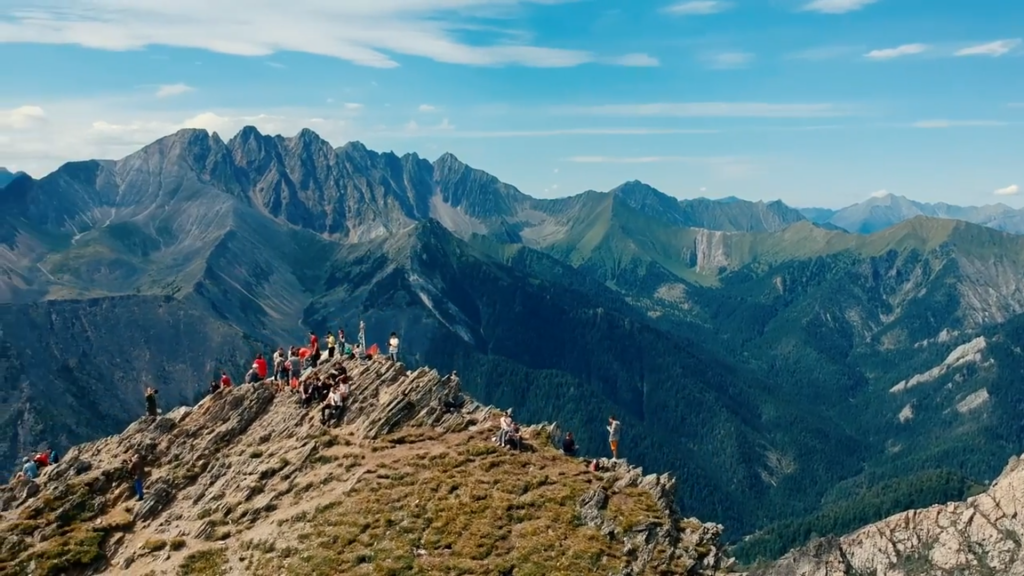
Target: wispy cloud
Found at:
x=825, y=53
x=697, y=8
x=957, y=124
x=353, y=106
x=427, y=108
x=1016, y=104
x=710, y=110
x=168, y=90
x=836, y=6
x=634, y=61
x=364, y=33
x=993, y=49
x=880, y=194
x=1010, y=190
x=727, y=60
x=275, y=64
x=899, y=51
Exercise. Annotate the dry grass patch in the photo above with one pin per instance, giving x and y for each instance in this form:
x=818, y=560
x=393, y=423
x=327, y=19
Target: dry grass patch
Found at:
x=477, y=509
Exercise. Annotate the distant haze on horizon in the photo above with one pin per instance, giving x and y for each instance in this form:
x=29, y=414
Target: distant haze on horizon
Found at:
x=817, y=103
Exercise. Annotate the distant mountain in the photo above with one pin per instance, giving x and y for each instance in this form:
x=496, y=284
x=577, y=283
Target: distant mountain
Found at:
x=6, y=176
x=744, y=347
x=878, y=213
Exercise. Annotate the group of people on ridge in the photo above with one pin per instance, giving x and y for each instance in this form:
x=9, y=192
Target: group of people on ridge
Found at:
x=510, y=436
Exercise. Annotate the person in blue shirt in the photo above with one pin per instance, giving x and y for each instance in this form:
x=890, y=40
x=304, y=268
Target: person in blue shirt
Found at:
x=30, y=469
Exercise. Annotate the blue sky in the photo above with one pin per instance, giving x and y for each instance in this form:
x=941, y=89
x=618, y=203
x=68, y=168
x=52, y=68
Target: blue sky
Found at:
x=816, y=102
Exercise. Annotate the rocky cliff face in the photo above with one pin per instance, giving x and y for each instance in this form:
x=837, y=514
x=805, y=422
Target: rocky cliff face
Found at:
x=979, y=537
x=247, y=482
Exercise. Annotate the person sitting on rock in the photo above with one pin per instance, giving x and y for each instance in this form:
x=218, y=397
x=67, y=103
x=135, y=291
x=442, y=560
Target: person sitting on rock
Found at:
x=225, y=380
x=214, y=386
x=569, y=445
x=393, y=347
x=514, y=438
x=138, y=471
x=151, y=409
x=331, y=409
x=252, y=377
x=308, y=393
x=53, y=456
x=30, y=469
x=260, y=366
x=42, y=459
x=506, y=427
x=343, y=388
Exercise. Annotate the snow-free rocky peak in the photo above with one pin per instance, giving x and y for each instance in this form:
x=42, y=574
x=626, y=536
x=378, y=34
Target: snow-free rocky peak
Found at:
x=247, y=482
x=980, y=537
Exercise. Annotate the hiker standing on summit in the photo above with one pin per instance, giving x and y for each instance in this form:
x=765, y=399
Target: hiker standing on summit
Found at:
x=330, y=345
x=151, y=403
x=393, y=347
x=614, y=428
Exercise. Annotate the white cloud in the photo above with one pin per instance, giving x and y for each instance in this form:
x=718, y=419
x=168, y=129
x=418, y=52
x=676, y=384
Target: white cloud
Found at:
x=993, y=49
x=634, y=60
x=365, y=33
x=22, y=117
x=904, y=50
x=697, y=7
x=933, y=124
x=427, y=108
x=1008, y=191
x=276, y=65
x=837, y=6
x=710, y=110
x=167, y=90
x=880, y=194
x=819, y=53
x=727, y=60
x=353, y=106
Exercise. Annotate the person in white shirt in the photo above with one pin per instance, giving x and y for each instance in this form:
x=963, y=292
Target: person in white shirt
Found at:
x=506, y=427
x=393, y=347
x=331, y=408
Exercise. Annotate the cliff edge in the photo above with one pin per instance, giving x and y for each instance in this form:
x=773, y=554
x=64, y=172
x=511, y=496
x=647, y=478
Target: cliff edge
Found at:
x=247, y=482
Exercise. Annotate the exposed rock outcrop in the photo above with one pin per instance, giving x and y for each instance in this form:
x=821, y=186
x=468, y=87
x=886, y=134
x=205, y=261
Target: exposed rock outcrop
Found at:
x=980, y=537
x=252, y=483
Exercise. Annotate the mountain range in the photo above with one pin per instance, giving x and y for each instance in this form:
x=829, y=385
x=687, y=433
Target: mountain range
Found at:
x=755, y=353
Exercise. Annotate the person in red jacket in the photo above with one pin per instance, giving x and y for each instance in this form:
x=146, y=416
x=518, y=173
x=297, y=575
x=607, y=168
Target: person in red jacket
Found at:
x=260, y=365
x=225, y=380
x=312, y=340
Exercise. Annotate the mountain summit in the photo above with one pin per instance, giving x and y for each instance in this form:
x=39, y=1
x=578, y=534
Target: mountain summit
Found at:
x=411, y=482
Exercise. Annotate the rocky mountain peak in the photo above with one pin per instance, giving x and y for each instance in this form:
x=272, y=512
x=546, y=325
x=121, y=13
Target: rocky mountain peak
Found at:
x=978, y=537
x=241, y=475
